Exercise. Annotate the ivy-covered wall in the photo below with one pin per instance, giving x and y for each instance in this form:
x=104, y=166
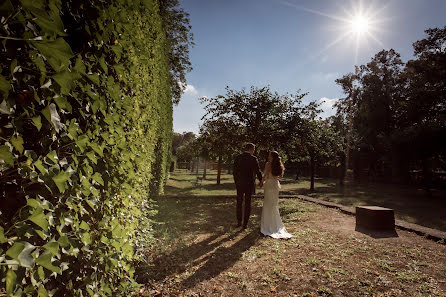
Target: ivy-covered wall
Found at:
x=85, y=136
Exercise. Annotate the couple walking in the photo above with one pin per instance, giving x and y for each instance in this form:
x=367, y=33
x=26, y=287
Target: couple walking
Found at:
x=246, y=168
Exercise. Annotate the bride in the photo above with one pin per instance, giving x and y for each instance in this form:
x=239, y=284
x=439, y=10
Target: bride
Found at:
x=271, y=223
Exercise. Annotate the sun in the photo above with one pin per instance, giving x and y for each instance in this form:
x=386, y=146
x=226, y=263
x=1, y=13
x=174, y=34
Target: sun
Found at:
x=360, y=24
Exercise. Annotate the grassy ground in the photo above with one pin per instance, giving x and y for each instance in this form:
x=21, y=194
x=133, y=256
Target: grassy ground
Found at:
x=410, y=203
x=200, y=252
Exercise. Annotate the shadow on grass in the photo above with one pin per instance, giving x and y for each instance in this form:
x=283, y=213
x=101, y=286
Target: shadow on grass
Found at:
x=409, y=202
x=197, y=230
x=221, y=259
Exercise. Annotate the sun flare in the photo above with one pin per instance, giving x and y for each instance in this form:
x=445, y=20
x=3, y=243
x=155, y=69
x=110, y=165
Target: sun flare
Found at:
x=360, y=24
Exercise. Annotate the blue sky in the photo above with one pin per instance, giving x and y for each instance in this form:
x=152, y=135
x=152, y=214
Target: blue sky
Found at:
x=288, y=44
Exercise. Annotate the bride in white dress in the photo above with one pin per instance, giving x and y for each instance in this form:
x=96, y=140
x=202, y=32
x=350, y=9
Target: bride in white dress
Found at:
x=271, y=223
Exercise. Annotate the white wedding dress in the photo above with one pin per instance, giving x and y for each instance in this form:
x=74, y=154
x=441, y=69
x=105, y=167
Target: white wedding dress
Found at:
x=271, y=223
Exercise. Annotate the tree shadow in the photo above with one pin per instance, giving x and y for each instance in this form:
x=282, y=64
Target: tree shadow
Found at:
x=167, y=264
x=221, y=259
x=189, y=218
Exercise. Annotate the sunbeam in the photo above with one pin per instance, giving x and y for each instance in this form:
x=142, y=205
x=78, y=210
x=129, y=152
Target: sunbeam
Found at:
x=359, y=22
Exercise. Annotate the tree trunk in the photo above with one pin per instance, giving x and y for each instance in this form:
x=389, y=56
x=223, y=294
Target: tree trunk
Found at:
x=343, y=169
x=312, y=165
x=204, y=169
x=219, y=169
x=427, y=176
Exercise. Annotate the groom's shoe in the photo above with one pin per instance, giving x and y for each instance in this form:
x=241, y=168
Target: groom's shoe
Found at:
x=245, y=226
x=239, y=224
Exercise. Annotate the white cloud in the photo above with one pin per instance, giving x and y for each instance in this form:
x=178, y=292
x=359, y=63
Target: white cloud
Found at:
x=327, y=106
x=190, y=90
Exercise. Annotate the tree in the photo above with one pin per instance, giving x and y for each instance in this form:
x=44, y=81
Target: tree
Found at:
x=187, y=150
x=374, y=94
x=423, y=122
x=178, y=139
x=257, y=114
x=176, y=24
x=310, y=138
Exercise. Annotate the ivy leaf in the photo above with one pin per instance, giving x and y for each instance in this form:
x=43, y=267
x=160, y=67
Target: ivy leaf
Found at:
x=103, y=64
x=39, y=165
x=37, y=122
x=79, y=66
x=50, y=113
x=63, y=241
x=53, y=157
x=53, y=247
x=58, y=53
x=63, y=103
x=4, y=108
x=84, y=226
x=42, y=292
x=11, y=279
x=17, y=142
x=15, y=250
x=5, y=86
x=66, y=80
x=92, y=156
x=25, y=257
x=38, y=217
x=97, y=148
x=61, y=180
x=45, y=261
x=6, y=155
x=82, y=142
x=98, y=178
x=72, y=129
x=3, y=239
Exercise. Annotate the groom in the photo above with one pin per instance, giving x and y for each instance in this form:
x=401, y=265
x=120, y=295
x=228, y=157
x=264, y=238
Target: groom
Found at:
x=246, y=167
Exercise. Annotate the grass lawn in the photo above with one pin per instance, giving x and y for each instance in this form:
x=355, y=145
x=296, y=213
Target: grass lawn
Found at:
x=199, y=252
x=410, y=203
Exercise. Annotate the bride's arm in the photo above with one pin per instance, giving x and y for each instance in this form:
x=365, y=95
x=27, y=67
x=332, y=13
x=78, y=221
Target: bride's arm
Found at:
x=266, y=171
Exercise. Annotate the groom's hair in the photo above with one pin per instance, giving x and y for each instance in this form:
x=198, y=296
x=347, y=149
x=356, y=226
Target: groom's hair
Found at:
x=250, y=146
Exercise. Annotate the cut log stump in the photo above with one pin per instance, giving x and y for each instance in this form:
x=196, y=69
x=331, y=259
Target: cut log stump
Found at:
x=375, y=218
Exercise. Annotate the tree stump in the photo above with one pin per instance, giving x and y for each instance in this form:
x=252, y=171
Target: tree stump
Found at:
x=375, y=218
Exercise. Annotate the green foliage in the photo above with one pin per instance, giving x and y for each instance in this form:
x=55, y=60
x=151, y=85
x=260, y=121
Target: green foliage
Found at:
x=86, y=127
x=270, y=120
x=175, y=23
x=395, y=111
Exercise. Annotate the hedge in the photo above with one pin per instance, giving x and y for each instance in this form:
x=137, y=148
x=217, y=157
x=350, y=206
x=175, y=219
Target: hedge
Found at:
x=85, y=131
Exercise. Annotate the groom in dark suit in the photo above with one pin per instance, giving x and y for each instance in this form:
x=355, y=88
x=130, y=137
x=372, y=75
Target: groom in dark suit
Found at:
x=246, y=168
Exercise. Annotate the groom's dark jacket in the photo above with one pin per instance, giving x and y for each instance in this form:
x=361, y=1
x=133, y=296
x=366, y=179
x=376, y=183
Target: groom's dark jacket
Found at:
x=246, y=167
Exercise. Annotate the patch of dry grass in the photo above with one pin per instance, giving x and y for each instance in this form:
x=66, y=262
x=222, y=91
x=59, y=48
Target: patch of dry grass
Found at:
x=200, y=252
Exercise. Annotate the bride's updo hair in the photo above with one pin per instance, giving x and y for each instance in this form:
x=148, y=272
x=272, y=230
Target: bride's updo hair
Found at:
x=277, y=167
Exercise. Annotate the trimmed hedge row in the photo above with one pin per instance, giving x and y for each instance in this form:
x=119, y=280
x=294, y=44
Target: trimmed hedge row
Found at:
x=86, y=123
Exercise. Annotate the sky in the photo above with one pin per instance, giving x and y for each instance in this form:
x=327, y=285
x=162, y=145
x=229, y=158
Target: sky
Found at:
x=293, y=45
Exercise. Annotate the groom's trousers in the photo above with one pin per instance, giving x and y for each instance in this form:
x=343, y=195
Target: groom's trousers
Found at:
x=244, y=193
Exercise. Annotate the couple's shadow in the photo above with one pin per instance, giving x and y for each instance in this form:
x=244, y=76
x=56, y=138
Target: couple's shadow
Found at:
x=219, y=251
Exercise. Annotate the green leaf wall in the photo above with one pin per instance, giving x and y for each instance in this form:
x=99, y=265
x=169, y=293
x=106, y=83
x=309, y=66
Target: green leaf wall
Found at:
x=85, y=136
